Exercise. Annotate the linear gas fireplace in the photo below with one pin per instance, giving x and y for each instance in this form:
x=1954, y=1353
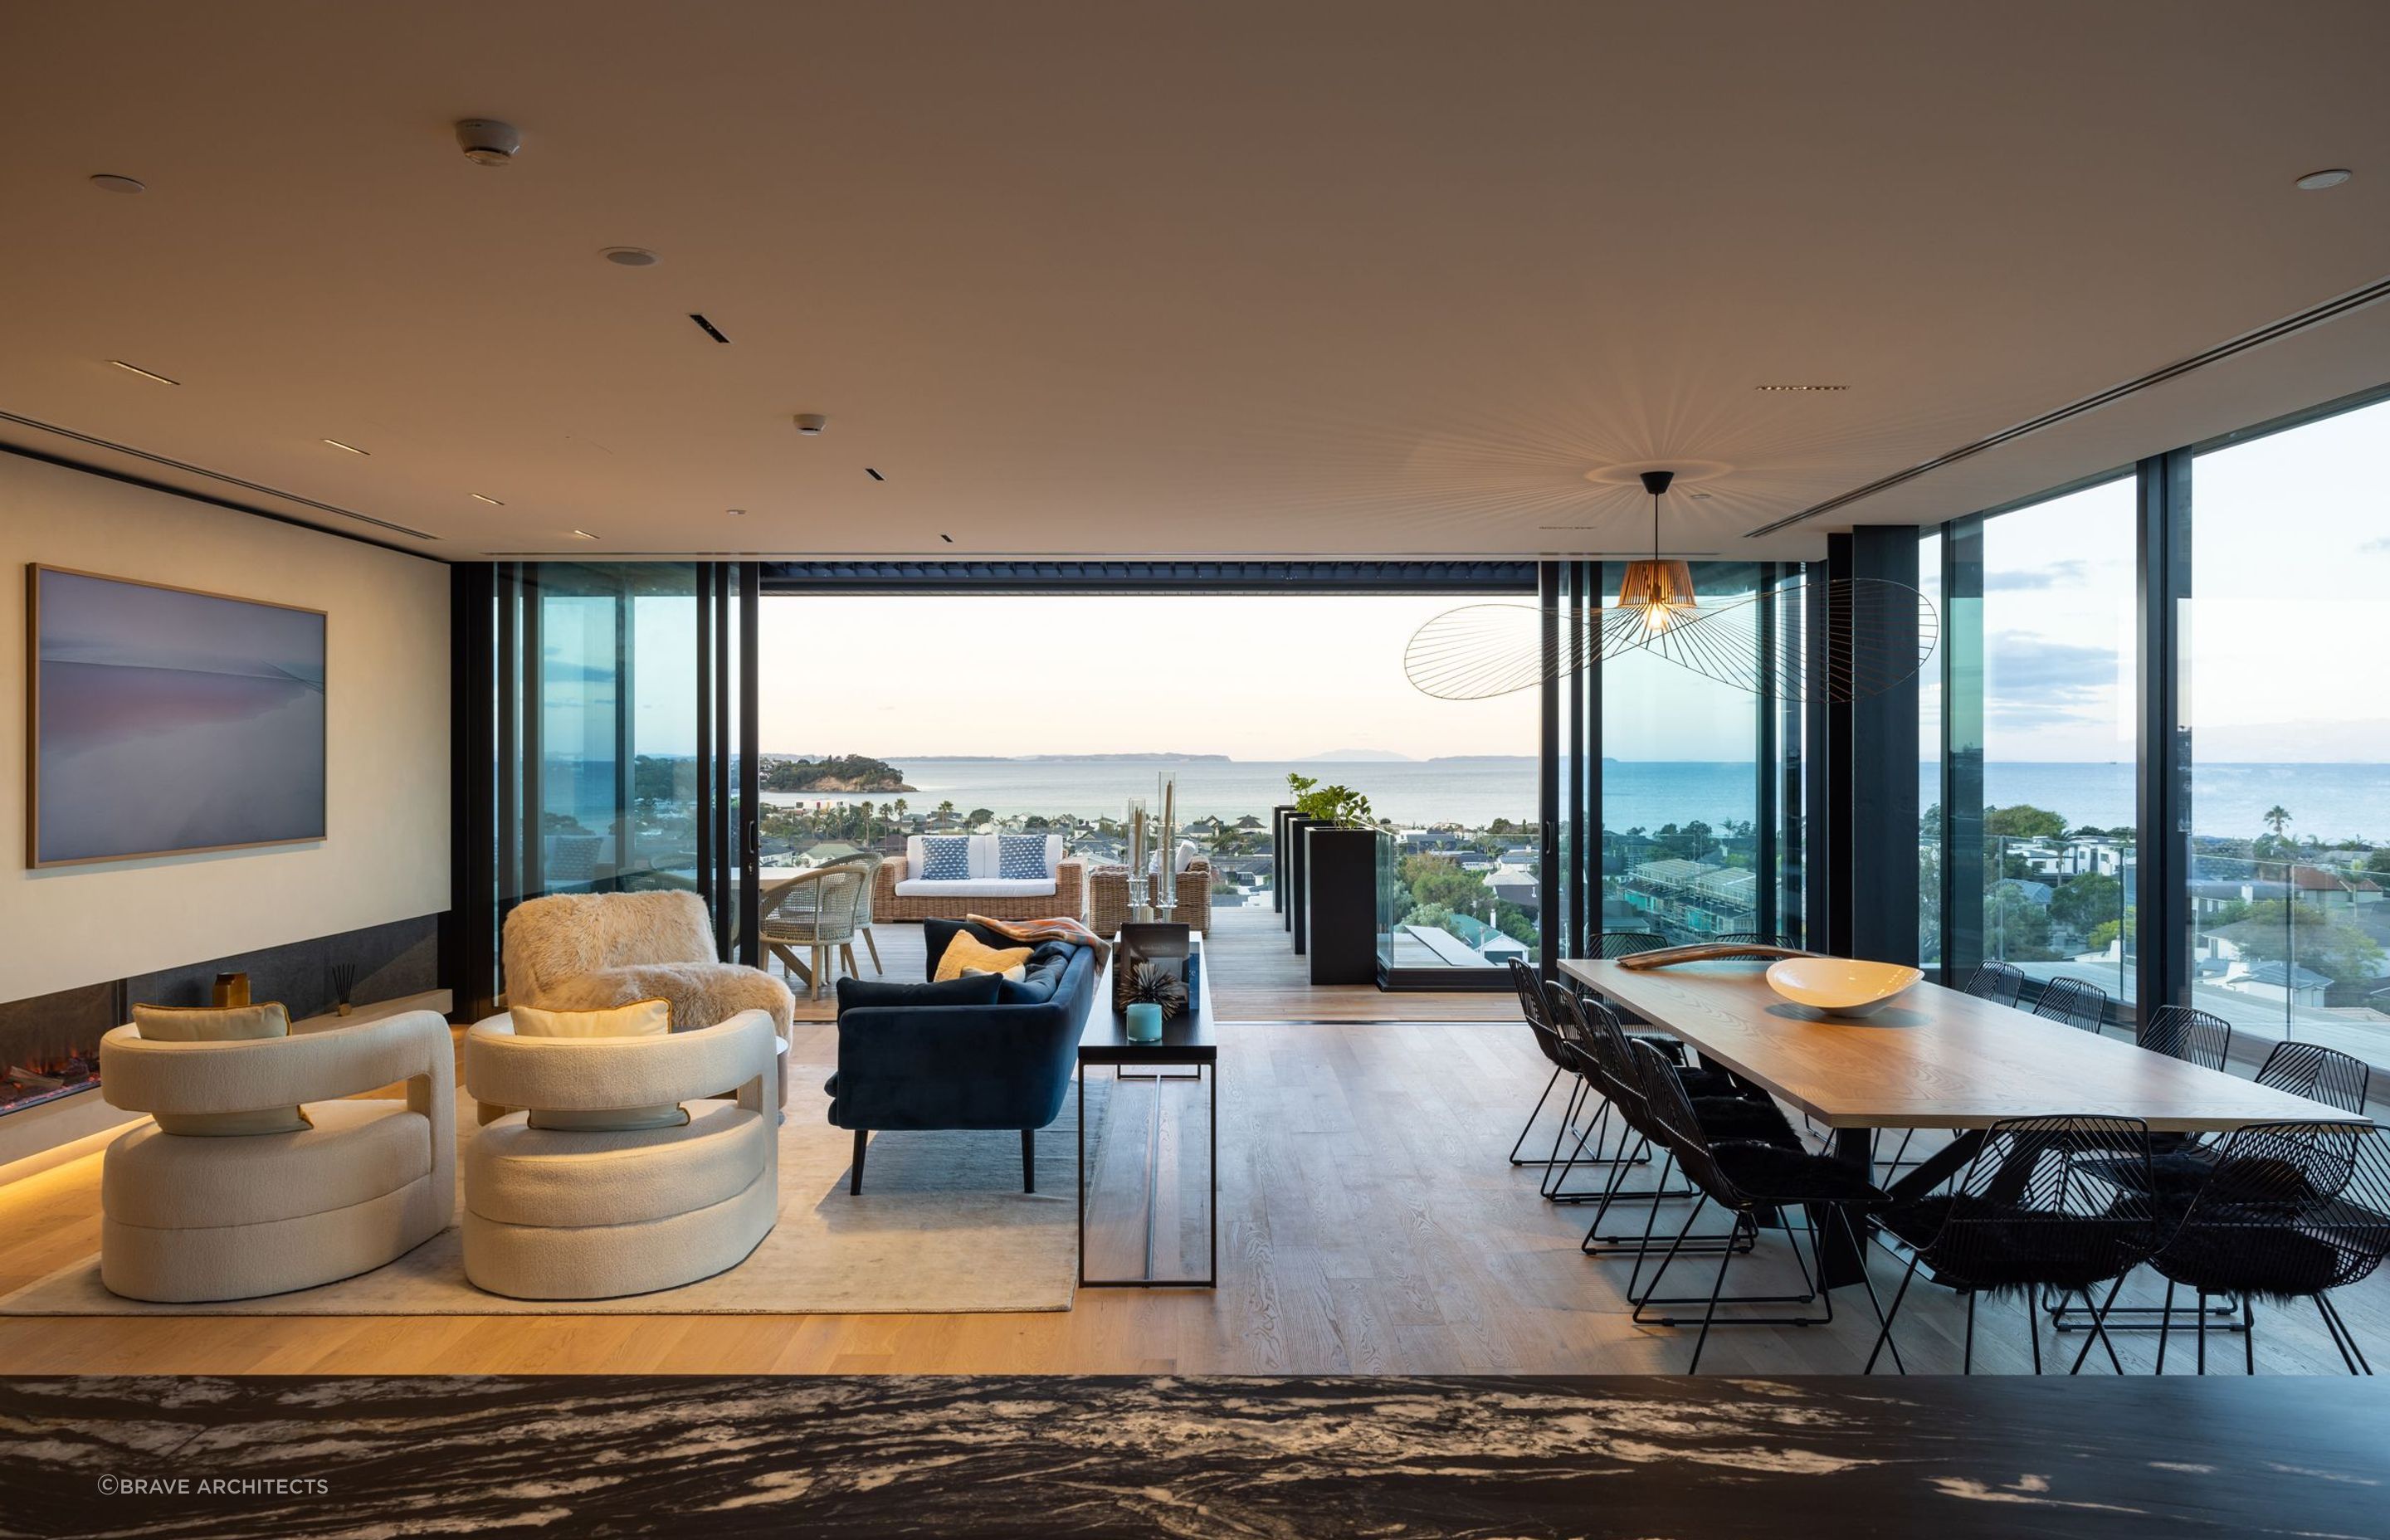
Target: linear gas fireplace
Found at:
x=49, y=1047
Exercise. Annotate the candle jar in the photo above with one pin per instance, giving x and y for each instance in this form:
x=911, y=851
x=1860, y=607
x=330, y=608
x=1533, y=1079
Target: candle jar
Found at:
x=1144, y=1022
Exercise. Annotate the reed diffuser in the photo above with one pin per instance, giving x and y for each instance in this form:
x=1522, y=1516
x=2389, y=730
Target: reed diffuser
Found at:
x=344, y=981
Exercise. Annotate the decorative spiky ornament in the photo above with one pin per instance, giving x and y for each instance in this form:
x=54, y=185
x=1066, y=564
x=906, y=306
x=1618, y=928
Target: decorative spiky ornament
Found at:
x=1159, y=984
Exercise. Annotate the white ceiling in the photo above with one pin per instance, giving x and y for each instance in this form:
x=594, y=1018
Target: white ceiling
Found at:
x=1229, y=278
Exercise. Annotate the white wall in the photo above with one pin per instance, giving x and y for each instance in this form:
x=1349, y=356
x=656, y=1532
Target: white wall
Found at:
x=385, y=855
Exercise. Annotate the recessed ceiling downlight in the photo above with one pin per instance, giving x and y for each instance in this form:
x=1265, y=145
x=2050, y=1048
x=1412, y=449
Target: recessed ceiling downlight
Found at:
x=110, y=181
x=2316, y=180
x=630, y=256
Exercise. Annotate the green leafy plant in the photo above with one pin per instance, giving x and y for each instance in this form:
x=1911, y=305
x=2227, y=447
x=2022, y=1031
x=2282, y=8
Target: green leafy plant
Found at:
x=1339, y=806
x=1298, y=785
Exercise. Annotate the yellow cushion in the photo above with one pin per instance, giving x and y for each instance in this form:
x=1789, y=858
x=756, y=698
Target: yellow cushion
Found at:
x=967, y=952
x=639, y=1019
x=221, y=1025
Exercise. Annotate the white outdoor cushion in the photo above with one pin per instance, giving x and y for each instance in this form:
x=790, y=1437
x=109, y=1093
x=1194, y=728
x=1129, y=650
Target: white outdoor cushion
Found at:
x=977, y=887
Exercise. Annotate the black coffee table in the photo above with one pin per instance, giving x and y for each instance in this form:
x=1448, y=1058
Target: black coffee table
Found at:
x=1186, y=1041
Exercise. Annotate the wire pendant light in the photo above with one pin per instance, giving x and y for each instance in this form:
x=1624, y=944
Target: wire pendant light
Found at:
x=1876, y=634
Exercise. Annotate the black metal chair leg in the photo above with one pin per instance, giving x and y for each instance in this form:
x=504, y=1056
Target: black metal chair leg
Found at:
x=2033, y=1332
x=2202, y=1331
x=2166, y=1324
x=1866, y=1280
x=2342, y=1337
x=2249, y=1333
x=1717, y=1285
x=1884, y=1335
x=1530, y=1125
x=1967, y=1354
x=2098, y=1329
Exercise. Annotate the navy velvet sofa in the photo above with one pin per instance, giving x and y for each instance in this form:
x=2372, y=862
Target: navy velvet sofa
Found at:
x=1006, y=1065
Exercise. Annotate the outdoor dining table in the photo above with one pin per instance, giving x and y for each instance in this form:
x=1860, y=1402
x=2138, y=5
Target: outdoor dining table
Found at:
x=1935, y=1057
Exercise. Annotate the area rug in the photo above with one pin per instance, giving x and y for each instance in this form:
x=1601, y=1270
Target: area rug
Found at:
x=1253, y=1459
x=941, y=1226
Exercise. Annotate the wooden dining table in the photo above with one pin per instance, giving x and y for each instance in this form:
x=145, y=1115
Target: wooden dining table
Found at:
x=1935, y=1058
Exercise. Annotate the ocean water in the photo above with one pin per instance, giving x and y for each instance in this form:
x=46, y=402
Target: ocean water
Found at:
x=2329, y=800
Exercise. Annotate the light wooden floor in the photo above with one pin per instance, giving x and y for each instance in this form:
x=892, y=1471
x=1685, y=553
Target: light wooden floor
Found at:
x=1369, y=1223
x=1256, y=976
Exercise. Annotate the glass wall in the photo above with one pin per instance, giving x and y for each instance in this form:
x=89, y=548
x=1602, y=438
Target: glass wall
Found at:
x=1929, y=769
x=615, y=790
x=2058, y=636
x=2288, y=738
x=1681, y=779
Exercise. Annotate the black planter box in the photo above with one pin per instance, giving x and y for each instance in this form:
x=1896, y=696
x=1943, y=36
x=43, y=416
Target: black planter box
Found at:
x=1298, y=917
x=1341, y=899
x=1278, y=817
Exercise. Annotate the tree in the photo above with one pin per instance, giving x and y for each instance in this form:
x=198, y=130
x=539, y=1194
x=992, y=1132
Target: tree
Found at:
x=1436, y=881
x=2278, y=818
x=2015, y=928
x=2379, y=862
x=979, y=816
x=2274, y=929
x=2086, y=901
x=945, y=812
x=2024, y=821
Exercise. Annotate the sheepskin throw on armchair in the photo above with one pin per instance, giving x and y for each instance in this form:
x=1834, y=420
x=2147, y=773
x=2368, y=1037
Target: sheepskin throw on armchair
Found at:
x=592, y=950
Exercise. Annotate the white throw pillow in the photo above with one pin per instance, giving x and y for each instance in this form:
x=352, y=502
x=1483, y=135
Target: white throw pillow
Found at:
x=639, y=1019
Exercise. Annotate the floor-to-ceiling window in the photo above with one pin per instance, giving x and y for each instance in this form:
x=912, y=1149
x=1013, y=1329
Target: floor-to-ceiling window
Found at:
x=886, y=714
x=1929, y=769
x=2289, y=736
x=2058, y=642
x=1681, y=777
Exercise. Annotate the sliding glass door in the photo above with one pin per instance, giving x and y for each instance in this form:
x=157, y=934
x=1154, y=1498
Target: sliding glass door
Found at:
x=602, y=747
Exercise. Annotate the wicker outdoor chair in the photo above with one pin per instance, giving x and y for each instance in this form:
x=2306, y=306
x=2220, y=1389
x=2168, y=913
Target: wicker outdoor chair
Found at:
x=1108, y=898
x=867, y=861
x=816, y=911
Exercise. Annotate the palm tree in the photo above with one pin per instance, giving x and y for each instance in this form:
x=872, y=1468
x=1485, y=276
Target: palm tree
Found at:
x=946, y=812
x=2276, y=817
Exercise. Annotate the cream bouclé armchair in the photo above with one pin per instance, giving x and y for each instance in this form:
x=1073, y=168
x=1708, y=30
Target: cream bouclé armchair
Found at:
x=188, y=1218
x=594, y=951
x=554, y=1213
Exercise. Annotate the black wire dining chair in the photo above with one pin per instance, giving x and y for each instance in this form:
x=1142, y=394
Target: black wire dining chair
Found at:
x=2318, y=1073
x=1532, y=1006
x=1996, y=981
x=1753, y=1180
x=1613, y=945
x=1611, y=1063
x=2195, y=1036
x=2074, y=1002
x=1757, y=938
x=2039, y=1208
x=2289, y=1211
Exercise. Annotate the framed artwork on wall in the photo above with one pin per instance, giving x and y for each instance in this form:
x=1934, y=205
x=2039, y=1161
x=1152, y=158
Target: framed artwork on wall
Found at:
x=162, y=720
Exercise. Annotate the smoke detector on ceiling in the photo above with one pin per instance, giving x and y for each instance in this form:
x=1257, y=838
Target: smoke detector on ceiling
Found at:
x=488, y=142
x=811, y=423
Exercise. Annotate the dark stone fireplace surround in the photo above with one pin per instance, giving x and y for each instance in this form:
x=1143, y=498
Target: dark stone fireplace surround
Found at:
x=393, y=960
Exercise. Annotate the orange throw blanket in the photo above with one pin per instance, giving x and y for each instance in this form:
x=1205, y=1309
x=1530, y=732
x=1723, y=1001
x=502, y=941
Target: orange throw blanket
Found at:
x=1034, y=931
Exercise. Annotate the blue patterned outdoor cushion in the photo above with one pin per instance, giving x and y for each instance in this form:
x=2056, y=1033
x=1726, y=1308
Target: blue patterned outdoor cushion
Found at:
x=945, y=857
x=1021, y=858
